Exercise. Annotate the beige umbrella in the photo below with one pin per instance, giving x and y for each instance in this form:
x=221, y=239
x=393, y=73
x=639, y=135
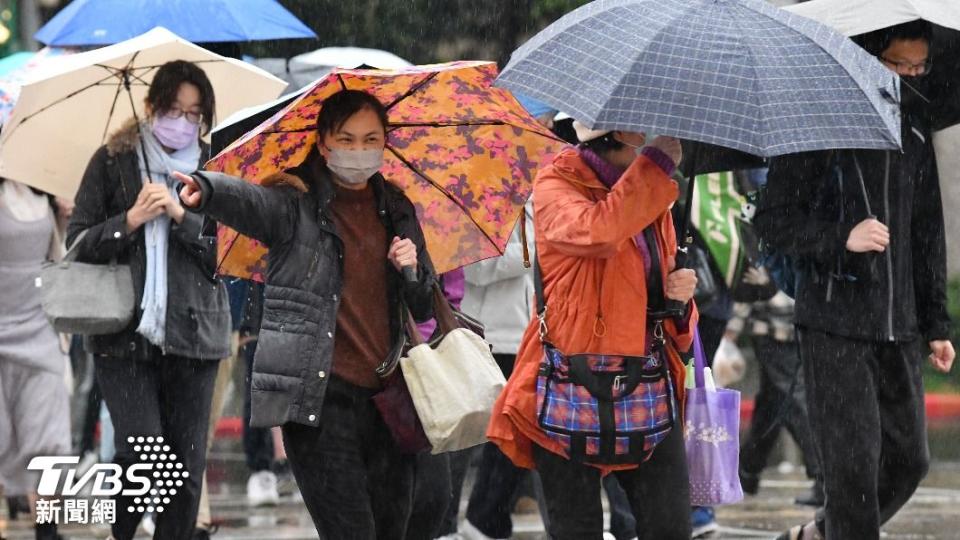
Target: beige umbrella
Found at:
x=69, y=107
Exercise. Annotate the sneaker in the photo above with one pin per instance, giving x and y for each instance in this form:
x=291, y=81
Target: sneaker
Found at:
x=703, y=521
x=469, y=532
x=262, y=489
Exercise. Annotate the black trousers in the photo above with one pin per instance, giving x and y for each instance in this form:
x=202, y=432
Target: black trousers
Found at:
x=168, y=396
x=257, y=442
x=867, y=413
x=355, y=482
x=776, y=407
x=432, y=496
x=658, y=491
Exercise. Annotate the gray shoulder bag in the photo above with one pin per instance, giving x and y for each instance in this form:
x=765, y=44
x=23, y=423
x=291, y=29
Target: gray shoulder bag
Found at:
x=87, y=299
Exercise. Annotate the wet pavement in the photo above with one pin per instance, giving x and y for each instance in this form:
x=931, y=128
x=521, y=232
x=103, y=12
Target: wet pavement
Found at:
x=933, y=513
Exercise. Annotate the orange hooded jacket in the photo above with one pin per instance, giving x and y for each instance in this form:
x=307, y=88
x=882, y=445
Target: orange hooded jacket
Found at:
x=594, y=282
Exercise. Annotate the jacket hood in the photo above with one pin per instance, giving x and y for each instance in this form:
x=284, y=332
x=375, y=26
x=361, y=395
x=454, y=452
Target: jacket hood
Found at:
x=124, y=139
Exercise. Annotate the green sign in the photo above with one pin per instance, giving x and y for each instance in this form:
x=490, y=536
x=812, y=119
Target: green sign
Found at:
x=715, y=214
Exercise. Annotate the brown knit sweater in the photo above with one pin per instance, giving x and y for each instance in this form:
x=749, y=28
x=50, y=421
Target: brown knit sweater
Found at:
x=363, y=337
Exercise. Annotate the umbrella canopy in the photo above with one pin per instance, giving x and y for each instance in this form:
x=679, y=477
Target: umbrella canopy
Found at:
x=464, y=152
x=245, y=120
x=14, y=62
x=104, y=22
x=74, y=102
x=855, y=17
x=13, y=80
x=735, y=73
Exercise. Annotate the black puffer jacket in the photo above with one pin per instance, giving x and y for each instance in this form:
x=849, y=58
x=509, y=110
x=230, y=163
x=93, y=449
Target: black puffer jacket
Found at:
x=813, y=201
x=198, y=311
x=304, y=279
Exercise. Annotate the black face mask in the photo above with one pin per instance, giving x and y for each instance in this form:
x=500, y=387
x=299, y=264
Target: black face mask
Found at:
x=914, y=94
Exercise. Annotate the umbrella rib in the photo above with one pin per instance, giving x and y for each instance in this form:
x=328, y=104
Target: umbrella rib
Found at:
x=343, y=84
x=113, y=107
x=441, y=189
x=413, y=90
x=68, y=96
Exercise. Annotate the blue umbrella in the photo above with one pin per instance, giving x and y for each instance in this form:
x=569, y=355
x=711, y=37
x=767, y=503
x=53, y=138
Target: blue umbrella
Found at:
x=104, y=22
x=740, y=74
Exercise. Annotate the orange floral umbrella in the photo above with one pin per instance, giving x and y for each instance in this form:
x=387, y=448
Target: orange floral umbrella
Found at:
x=463, y=151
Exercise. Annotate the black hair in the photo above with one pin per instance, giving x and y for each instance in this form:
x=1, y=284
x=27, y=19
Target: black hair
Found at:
x=879, y=40
x=166, y=84
x=339, y=107
x=603, y=144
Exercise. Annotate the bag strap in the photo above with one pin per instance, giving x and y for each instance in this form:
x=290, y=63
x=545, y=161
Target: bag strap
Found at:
x=443, y=312
x=656, y=300
x=71, y=254
x=699, y=360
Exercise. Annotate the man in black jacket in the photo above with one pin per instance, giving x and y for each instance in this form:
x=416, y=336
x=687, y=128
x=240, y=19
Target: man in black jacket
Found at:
x=867, y=228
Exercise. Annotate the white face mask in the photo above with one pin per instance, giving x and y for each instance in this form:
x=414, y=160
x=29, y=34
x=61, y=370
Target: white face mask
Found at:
x=354, y=166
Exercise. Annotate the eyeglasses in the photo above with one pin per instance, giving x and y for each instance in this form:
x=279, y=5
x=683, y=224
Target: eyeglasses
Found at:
x=192, y=117
x=919, y=70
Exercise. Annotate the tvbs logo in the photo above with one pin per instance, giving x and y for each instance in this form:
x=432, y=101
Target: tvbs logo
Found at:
x=152, y=481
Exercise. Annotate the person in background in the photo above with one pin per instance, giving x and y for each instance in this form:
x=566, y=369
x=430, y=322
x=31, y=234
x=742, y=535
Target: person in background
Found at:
x=499, y=293
x=340, y=237
x=34, y=397
x=866, y=228
x=169, y=355
x=769, y=325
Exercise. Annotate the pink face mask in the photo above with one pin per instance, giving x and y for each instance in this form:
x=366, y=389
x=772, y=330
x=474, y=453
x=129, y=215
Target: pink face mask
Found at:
x=176, y=133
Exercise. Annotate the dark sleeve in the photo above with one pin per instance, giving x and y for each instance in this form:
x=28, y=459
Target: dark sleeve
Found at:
x=784, y=218
x=199, y=237
x=419, y=295
x=106, y=234
x=929, y=252
x=267, y=214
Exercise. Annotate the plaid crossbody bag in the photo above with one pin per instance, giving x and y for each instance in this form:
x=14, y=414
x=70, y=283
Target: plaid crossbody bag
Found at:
x=605, y=409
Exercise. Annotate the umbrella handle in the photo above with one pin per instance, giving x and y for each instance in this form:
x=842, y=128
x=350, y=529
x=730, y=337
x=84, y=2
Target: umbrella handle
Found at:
x=409, y=274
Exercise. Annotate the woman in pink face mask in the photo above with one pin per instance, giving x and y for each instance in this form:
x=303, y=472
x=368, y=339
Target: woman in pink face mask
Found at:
x=157, y=376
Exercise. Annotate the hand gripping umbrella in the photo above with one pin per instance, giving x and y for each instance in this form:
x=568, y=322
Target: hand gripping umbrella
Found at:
x=740, y=74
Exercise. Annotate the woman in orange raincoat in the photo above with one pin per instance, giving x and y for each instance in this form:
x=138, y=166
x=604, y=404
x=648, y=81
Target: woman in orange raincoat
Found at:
x=591, y=206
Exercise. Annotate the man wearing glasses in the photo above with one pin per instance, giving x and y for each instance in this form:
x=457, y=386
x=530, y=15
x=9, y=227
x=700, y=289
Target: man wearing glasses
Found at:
x=865, y=228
